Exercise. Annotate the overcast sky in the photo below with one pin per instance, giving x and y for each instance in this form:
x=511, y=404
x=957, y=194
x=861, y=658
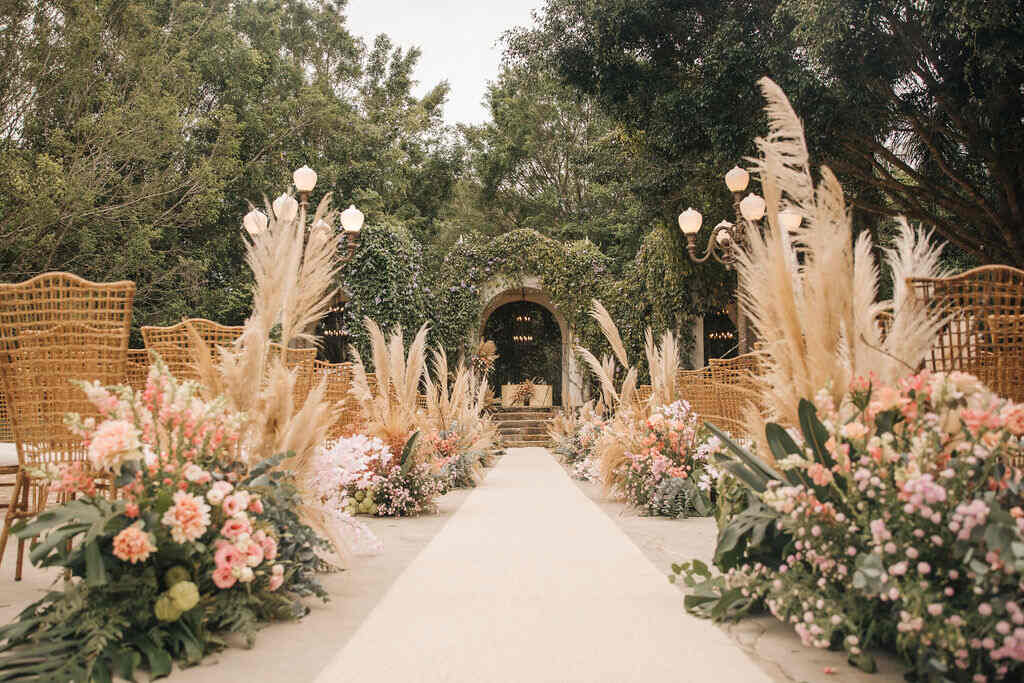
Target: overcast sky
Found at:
x=458, y=39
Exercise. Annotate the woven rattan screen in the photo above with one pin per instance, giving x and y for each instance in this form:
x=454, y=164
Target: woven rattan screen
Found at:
x=175, y=346
x=984, y=334
x=339, y=381
x=137, y=369
x=38, y=380
x=5, y=418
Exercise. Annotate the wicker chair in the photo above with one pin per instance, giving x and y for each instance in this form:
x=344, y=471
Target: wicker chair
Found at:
x=137, y=369
x=339, y=381
x=5, y=419
x=984, y=334
x=174, y=344
x=53, y=328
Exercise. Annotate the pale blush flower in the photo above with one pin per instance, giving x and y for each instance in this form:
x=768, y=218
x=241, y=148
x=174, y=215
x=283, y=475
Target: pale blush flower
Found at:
x=886, y=398
x=133, y=545
x=269, y=546
x=188, y=518
x=224, y=577
x=236, y=504
x=112, y=442
x=195, y=473
x=854, y=430
x=235, y=527
x=256, y=506
x=218, y=491
x=935, y=609
x=985, y=609
x=245, y=574
x=254, y=554
x=1013, y=418
x=820, y=474
x=229, y=556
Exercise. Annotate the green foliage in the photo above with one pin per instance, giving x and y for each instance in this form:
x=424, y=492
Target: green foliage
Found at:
x=386, y=283
x=149, y=126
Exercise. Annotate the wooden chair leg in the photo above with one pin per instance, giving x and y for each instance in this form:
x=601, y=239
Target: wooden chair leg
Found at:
x=12, y=511
x=21, y=559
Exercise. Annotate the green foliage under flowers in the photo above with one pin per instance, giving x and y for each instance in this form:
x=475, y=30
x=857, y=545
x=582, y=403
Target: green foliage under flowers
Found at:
x=896, y=522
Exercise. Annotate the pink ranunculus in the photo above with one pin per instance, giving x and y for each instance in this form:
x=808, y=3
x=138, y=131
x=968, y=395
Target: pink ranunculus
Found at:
x=112, y=442
x=224, y=577
x=133, y=545
x=1013, y=418
x=188, y=518
x=218, y=491
x=235, y=527
x=228, y=556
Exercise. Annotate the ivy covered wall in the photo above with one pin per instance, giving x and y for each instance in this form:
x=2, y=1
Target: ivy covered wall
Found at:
x=390, y=282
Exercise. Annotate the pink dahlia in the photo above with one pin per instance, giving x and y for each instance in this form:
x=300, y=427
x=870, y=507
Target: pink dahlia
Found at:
x=188, y=518
x=133, y=545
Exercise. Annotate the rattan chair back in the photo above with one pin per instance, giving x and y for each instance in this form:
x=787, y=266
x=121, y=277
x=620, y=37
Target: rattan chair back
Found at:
x=39, y=383
x=174, y=344
x=983, y=332
x=137, y=369
x=5, y=417
x=336, y=394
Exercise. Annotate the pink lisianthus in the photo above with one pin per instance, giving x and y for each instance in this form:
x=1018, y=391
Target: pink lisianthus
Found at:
x=269, y=546
x=112, y=442
x=253, y=554
x=229, y=556
x=188, y=518
x=196, y=474
x=218, y=491
x=224, y=577
x=236, y=504
x=132, y=544
x=235, y=527
x=276, y=577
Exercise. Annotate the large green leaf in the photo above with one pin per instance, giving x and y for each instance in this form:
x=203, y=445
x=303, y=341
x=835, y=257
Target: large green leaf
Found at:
x=815, y=434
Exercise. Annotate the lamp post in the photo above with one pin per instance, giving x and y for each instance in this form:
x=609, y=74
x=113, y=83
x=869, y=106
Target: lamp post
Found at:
x=286, y=209
x=726, y=239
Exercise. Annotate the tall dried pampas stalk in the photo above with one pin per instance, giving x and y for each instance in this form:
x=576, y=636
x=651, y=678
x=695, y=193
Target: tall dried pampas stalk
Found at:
x=390, y=407
x=817, y=315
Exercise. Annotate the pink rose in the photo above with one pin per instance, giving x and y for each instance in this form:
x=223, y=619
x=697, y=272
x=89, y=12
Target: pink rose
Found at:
x=276, y=577
x=228, y=557
x=224, y=577
x=256, y=506
x=235, y=527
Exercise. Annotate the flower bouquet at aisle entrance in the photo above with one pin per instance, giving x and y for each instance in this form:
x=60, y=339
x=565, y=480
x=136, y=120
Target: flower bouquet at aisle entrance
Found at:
x=195, y=546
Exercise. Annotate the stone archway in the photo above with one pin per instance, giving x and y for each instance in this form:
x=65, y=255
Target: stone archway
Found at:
x=497, y=294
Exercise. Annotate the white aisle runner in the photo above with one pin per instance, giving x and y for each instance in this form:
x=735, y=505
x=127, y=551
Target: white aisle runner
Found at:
x=531, y=582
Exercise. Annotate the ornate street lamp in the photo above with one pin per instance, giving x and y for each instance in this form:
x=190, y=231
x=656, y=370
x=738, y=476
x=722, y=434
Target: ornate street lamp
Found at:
x=726, y=240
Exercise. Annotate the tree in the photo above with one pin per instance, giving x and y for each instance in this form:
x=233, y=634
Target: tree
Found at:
x=551, y=161
x=681, y=75
x=133, y=133
x=944, y=78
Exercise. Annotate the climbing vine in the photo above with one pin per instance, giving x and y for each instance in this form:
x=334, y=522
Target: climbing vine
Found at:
x=389, y=281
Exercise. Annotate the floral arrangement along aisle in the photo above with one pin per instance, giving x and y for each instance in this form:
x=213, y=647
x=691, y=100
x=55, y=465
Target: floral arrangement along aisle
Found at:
x=906, y=529
x=886, y=512
x=195, y=545
x=665, y=474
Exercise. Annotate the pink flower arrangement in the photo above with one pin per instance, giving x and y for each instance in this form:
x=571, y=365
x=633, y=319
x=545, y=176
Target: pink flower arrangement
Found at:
x=918, y=529
x=112, y=442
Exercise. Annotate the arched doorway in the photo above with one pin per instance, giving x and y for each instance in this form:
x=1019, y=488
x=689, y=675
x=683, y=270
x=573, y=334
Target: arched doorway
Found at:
x=529, y=343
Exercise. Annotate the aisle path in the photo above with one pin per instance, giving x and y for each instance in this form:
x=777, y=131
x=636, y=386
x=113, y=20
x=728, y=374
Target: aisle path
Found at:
x=531, y=582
